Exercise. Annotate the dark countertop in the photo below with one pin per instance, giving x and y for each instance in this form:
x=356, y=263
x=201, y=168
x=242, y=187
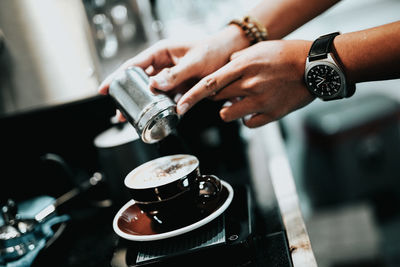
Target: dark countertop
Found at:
x=89, y=239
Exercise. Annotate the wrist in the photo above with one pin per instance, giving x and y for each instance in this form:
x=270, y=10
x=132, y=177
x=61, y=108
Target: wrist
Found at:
x=325, y=76
x=235, y=38
x=254, y=30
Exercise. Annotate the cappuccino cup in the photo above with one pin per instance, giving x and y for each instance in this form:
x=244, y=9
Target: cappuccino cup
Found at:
x=171, y=189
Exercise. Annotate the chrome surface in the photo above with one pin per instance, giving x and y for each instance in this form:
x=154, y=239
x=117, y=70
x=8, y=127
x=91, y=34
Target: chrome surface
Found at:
x=57, y=52
x=50, y=54
x=120, y=30
x=14, y=229
x=153, y=115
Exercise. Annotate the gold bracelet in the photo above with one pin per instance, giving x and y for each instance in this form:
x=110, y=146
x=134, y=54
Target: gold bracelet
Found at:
x=253, y=29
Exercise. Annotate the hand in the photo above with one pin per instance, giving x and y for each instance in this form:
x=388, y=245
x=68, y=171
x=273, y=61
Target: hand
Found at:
x=263, y=82
x=171, y=64
x=163, y=54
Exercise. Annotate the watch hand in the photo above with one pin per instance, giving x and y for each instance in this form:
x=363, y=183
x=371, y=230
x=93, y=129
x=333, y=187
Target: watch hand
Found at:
x=323, y=80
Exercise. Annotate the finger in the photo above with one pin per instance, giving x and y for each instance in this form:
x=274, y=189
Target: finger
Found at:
x=238, y=109
x=143, y=60
x=140, y=62
x=103, y=87
x=150, y=70
x=154, y=55
x=119, y=116
x=168, y=78
x=177, y=97
x=233, y=90
x=231, y=101
x=179, y=90
x=257, y=120
x=209, y=85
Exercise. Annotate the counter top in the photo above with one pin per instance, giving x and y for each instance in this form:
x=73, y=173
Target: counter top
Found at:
x=271, y=175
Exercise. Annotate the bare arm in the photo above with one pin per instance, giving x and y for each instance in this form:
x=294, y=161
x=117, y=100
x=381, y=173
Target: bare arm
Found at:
x=268, y=77
x=281, y=17
x=372, y=54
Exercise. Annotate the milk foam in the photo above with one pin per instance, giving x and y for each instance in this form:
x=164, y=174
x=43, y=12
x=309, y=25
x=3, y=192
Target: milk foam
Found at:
x=161, y=171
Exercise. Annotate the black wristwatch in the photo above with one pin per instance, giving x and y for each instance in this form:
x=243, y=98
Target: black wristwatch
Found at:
x=324, y=77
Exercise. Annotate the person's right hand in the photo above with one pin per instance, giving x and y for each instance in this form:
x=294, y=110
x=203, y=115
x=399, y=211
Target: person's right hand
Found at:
x=162, y=55
x=171, y=64
x=263, y=83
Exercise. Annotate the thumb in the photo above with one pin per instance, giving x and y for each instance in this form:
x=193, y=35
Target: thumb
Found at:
x=169, y=78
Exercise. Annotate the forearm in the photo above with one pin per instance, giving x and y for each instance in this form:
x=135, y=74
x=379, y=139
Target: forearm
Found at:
x=281, y=17
x=372, y=54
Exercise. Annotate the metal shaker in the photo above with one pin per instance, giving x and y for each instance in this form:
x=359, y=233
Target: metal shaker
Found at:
x=153, y=115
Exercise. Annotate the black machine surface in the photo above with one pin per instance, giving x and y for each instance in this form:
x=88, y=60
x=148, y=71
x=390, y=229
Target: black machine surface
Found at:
x=249, y=240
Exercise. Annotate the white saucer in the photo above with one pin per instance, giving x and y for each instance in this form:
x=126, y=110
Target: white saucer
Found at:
x=185, y=229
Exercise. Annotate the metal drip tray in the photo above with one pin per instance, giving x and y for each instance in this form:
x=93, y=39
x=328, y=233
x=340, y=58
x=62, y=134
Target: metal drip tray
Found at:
x=209, y=236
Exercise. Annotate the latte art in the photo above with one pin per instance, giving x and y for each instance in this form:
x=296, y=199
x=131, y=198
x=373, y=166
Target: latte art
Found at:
x=174, y=168
x=161, y=171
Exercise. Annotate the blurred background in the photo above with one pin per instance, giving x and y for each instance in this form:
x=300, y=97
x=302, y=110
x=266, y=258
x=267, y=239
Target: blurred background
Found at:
x=345, y=155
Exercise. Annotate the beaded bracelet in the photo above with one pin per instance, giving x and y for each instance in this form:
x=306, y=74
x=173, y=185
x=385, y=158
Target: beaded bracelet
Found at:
x=254, y=30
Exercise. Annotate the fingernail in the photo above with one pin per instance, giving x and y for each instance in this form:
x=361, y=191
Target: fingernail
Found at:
x=247, y=117
x=177, y=97
x=101, y=89
x=114, y=119
x=119, y=116
x=227, y=104
x=182, y=108
x=160, y=80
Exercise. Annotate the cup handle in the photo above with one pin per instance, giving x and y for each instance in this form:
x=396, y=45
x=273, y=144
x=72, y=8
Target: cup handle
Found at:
x=209, y=186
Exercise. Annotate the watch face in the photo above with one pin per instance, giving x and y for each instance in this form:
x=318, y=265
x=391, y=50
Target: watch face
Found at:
x=324, y=81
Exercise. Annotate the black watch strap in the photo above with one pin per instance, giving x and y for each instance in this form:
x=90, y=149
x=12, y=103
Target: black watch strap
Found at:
x=321, y=47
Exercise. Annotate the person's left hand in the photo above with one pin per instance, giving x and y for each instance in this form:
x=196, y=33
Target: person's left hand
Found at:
x=263, y=83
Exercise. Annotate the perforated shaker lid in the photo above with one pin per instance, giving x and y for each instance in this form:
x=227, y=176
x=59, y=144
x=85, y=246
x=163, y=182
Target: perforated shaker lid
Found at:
x=160, y=125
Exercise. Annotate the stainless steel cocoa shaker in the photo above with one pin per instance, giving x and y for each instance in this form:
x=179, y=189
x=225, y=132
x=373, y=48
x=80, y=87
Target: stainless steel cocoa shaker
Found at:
x=153, y=115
